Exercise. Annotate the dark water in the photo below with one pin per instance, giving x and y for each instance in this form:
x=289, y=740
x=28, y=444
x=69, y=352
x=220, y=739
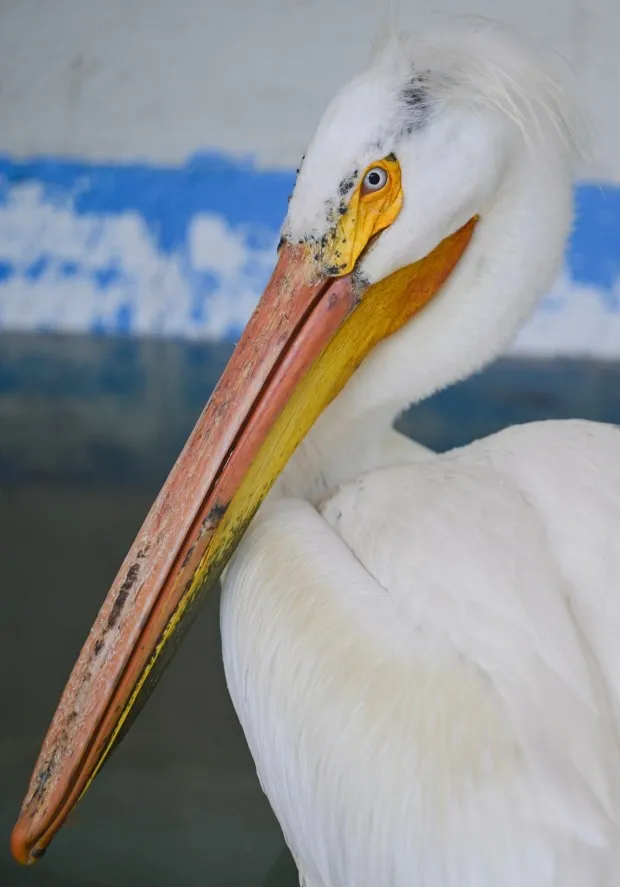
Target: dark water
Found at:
x=88, y=431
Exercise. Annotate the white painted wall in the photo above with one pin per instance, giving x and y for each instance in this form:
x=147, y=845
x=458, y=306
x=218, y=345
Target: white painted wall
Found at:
x=162, y=78
x=104, y=245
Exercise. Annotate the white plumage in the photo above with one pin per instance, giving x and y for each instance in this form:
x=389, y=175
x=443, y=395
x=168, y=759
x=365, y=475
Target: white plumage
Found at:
x=423, y=650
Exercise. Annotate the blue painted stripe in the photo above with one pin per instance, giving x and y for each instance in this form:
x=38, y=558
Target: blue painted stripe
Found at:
x=137, y=248
x=166, y=197
x=594, y=249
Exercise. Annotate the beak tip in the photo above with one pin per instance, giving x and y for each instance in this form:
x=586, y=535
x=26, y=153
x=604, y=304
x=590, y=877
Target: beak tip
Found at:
x=22, y=850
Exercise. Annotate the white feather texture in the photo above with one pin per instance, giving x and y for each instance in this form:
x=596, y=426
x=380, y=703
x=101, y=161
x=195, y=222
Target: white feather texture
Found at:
x=501, y=140
x=426, y=670
x=422, y=649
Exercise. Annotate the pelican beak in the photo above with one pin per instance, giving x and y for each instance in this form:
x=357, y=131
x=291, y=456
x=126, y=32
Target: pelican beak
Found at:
x=303, y=342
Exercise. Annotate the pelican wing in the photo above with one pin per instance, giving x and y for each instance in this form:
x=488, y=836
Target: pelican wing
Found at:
x=425, y=669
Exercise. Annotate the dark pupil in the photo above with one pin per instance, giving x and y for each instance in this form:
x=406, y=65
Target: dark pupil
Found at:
x=374, y=178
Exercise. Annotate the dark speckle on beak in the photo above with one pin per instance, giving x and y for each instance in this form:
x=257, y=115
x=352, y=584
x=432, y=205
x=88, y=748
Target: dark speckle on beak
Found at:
x=123, y=592
x=334, y=270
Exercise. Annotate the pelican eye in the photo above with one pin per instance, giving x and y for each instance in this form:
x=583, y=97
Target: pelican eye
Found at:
x=375, y=179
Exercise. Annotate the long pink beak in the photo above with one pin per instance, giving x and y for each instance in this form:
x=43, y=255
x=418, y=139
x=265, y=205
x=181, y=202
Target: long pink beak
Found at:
x=296, y=317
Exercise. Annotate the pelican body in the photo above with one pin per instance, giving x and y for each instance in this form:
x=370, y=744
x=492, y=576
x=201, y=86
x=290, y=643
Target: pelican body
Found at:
x=422, y=649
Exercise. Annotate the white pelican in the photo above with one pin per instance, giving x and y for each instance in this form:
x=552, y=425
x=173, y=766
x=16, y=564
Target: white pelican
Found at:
x=423, y=650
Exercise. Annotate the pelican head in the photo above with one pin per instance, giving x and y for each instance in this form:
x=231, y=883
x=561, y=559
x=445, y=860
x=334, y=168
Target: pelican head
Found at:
x=429, y=214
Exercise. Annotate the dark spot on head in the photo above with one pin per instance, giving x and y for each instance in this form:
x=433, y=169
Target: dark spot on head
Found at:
x=348, y=183
x=342, y=209
x=414, y=94
x=121, y=597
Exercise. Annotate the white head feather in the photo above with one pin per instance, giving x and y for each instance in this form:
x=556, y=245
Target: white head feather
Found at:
x=479, y=126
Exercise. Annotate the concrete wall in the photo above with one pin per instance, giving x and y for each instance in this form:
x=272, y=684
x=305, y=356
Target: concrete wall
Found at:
x=147, y=148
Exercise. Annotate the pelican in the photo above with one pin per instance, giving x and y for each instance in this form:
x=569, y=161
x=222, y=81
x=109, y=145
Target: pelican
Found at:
x=423, y=649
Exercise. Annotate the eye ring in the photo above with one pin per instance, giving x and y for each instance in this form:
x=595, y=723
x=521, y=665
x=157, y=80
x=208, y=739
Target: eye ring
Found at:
x=374, y=180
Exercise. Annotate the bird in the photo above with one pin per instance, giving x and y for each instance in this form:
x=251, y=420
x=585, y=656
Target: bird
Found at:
x=421, y=648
